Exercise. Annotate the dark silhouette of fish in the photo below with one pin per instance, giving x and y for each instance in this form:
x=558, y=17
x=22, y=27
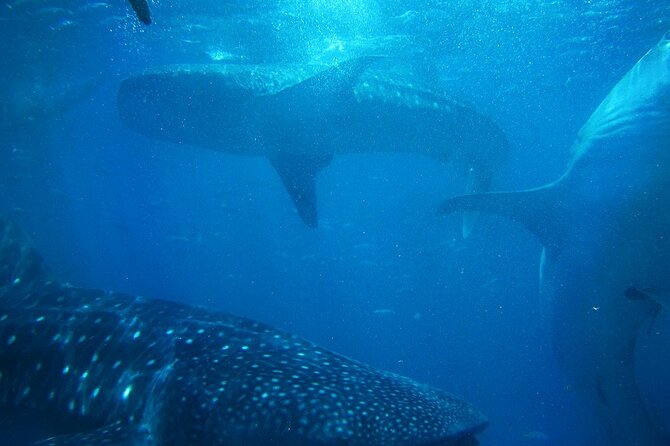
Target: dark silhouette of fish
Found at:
x=300, y=115
x=35, y=103
x=92, y=367
x=141, y=8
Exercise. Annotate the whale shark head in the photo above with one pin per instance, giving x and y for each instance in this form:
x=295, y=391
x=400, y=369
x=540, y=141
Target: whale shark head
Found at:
x=90, y=367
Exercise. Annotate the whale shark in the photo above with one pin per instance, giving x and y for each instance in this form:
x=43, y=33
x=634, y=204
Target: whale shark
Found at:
x=92, y=367
x=24, y=104
x=300, y=115
x=605, y=228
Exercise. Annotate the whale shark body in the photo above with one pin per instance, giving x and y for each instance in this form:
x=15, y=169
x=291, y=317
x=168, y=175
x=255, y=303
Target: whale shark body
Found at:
x=299, y=115
x=605, y=227
x=89, y=367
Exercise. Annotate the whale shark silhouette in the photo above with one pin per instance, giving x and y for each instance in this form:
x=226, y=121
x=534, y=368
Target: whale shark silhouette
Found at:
x=605, y=227
x=33, y=103
x=299, y=115
x=91, y=367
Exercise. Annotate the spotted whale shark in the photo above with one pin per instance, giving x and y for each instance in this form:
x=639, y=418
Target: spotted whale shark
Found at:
x=299, y=115
x=91, y=367
x=605, y=227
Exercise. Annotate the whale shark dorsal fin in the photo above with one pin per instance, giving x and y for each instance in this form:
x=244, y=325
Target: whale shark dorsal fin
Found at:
x=298, y=173
x=327, y=86
x=537, y=209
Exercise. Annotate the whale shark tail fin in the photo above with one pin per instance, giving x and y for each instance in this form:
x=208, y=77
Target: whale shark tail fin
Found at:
x=20, y=264
x=537, y=209
x=298, y=173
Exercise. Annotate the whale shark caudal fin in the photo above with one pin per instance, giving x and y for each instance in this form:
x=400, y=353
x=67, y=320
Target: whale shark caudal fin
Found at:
x=141, y=8
x=298, y=173
x=20, y=265
x=537, y=209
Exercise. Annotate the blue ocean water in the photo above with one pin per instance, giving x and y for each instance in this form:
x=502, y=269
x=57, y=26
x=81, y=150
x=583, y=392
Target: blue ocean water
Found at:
x=383, y=279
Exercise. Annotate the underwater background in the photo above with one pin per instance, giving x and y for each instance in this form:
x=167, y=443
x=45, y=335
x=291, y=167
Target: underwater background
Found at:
x=383, y=279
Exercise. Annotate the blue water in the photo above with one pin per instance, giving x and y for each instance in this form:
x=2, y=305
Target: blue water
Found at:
x=383, y=279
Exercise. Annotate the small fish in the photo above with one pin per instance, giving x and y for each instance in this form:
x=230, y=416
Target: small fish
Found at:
x=536, y=437
x=62, y=25
x=219, y=55
x=383, y=311
x=97, y=5
x=179, y=238
x=54, y=11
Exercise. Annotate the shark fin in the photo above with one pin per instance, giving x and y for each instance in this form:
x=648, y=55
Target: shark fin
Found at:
x=141, y=8
x=115, y=434
x=537, y=209
x=298, y=173
x=326, y=87
x=20, y=264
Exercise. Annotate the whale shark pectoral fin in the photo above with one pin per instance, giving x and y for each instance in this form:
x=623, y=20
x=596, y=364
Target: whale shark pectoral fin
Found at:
x=298, y=173
x=115, y=434
x=537, y=209
x=141, y=8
